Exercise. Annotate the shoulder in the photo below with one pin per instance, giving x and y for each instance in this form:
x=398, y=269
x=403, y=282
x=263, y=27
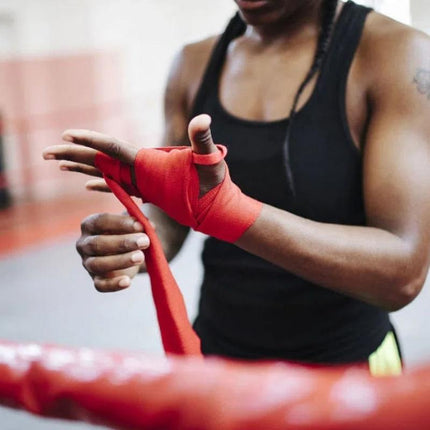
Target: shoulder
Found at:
x=385, y=36
x=199, y=51
x=188, y=68
x=391, y=52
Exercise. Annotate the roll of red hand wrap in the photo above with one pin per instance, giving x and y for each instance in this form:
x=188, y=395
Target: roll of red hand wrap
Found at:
x=168, y=178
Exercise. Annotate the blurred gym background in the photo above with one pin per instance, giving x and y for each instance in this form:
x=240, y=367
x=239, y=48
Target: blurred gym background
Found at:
x=102, y=65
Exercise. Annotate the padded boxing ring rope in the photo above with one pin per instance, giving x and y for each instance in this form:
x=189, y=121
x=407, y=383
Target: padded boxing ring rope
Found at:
x=134, y=391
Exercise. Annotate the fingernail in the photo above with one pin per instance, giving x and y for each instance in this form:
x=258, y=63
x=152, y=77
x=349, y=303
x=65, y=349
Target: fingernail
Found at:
x=124, y=282
x=137, y=257
x=68, y=138
x=48, y=156
x=142, y=242
x=64, y=168
x=137, y=226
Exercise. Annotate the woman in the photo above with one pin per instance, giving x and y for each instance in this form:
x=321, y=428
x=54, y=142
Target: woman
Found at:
x=343, y=236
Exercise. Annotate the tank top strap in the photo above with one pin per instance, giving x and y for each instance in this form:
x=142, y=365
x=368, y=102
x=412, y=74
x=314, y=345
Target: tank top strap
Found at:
x=343, y=46
x=235, y=28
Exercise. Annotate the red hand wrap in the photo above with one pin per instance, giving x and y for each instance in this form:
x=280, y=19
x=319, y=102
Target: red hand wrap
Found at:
x=168, y=178
x=177, y=335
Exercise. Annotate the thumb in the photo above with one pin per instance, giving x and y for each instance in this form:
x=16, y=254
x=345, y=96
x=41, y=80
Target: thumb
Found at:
x=200, y=135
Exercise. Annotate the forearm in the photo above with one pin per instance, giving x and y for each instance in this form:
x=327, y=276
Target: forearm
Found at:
x=367, y=263
x=172, y=235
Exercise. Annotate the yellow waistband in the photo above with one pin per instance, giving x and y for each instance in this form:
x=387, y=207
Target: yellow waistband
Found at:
x=385, y=361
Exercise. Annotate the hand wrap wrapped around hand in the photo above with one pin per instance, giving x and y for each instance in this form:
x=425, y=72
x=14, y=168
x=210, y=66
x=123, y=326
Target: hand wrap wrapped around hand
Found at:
x=168, y=178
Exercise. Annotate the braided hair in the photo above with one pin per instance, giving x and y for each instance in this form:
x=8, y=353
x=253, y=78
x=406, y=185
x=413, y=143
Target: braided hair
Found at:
x=327, y=24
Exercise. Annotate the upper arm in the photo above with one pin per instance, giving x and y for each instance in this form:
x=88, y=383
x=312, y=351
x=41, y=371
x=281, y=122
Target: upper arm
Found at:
x=397, y=147
x=182, y=84
x=175, y=107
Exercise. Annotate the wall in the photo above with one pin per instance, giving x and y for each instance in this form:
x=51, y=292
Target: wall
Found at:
x=420, y=10
x=99, y=64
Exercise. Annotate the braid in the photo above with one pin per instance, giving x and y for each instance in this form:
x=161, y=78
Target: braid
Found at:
x=327, y=24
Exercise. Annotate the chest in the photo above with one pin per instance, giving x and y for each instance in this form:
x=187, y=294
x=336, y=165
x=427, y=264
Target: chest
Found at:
x=261, y=86
x=327, y=171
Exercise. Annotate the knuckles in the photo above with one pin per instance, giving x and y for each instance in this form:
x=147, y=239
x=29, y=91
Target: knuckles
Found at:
x=91, y=246
x=90, y=223
x=113, y=148
x=103, y=223
x=88, y=245
x=100, y=287
x=79, y=246
x=125, y=245
x=93, y=266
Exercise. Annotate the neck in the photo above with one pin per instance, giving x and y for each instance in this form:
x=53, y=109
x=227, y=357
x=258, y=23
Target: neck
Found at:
x=300, y=23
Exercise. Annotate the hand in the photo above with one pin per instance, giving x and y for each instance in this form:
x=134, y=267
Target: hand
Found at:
x=176, y=179
x=79, y=154
x=111, y=250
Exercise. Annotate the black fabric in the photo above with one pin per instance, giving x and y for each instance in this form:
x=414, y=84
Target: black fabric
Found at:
x=250, y=308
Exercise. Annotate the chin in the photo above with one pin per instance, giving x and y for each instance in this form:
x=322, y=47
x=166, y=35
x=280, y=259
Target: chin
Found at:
x=257, y=19
x=262, y=12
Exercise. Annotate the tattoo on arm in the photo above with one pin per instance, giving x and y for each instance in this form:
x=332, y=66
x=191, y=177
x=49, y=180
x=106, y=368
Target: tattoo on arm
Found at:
x=422, y=81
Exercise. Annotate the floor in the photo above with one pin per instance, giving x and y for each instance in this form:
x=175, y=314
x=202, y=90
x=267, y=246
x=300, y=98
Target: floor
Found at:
x=47, y=297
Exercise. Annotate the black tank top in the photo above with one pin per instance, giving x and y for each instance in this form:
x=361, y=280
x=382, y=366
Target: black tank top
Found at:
x=250, y=308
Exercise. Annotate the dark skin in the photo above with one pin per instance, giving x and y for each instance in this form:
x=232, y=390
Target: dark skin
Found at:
x=383, y=263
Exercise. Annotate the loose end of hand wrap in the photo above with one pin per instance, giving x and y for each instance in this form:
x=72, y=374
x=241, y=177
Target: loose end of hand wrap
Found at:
x=177, y=335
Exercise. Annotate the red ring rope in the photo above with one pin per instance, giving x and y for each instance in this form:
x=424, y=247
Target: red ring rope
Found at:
x=133, y=391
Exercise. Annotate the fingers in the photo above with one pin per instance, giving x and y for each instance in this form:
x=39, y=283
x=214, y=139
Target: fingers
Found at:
x=97, y=185
x=102, y=265
x=114, y=272
x=102, y=245
x=109, y=145
x=77, y=154
x=99, y=224
x=71, y=166
x=115, y=281
x=111, y=247
x=200, y=135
